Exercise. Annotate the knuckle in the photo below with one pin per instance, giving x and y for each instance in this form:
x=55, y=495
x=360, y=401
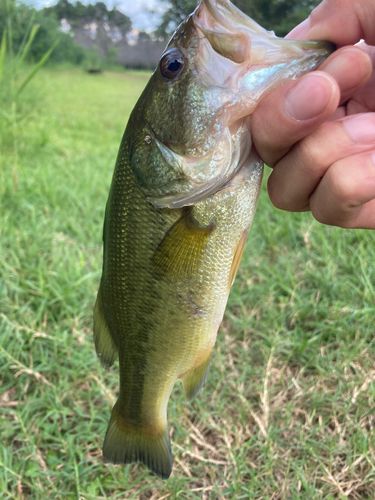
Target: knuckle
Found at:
x=342, y=189
x=321, y=215
x=337, y=204
x=266, y=149
x=275, y=194
x=311, y=155
x=327, y=217
x=339, y=219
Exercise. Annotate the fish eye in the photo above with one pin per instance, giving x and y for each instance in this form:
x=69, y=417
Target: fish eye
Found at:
x=172, y=64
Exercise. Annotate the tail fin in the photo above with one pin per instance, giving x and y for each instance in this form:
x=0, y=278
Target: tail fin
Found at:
x=125, y=444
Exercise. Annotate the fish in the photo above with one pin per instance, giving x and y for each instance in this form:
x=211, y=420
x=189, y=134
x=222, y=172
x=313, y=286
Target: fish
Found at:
x=181, y=203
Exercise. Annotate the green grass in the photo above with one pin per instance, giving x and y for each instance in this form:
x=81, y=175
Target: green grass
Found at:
x=288, y=409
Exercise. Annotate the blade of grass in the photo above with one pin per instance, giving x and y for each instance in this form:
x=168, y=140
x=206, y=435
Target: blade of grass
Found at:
x=6, y=115
x=26, y=48
x=3, y=49
x=26, y=36
x=10, y=30
x=36, y=68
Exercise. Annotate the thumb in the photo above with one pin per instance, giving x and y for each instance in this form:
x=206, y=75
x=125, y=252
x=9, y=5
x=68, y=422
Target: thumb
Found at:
x=343, y=22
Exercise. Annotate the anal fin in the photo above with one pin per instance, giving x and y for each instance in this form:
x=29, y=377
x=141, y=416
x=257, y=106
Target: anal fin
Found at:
x=125, y=444
x=104, y=344
x=181, y=251
x=194, y=380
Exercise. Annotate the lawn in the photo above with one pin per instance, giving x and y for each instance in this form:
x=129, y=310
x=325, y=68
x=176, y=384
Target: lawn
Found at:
x=288, y=408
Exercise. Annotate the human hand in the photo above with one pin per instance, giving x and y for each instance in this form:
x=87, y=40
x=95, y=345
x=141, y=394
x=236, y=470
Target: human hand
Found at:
x=318, y=133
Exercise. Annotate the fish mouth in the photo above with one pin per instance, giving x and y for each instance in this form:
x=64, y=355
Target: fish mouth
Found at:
x=238, y=62
x=247, y=58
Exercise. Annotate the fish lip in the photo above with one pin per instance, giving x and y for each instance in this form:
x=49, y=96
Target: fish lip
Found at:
x=235, y=45
x=228, y=15
x=329, y=46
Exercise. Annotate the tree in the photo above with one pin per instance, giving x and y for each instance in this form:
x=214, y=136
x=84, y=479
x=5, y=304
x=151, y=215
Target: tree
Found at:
x=177, y=12
x=19, y=19
x=110, y=26
x=277, y=15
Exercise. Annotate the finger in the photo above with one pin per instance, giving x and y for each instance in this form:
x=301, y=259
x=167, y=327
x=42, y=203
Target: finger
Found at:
x=364, y=100
x=346, y=195
x=290, y=113
x=287, y=115
x=343, y=22
x=351, y=67
x=297, y=175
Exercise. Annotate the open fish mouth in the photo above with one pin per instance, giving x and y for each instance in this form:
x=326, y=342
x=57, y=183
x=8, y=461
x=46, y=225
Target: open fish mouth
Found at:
x=247, y=58
x=238, y=62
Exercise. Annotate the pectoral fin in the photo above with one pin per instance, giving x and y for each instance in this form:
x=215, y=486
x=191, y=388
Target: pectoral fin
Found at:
x=194, y=380
x=105, y=347
x=180, y=253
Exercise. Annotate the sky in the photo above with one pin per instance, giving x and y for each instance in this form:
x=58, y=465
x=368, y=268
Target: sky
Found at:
x=140, y=12
x=145, y=14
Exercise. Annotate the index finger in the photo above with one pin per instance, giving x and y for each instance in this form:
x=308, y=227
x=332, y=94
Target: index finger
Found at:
x=343, y=22
x=292, y=112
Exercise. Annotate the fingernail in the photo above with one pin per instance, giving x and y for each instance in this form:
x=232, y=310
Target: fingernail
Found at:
x=309, y=98
x=301, y=30
x=361, y=128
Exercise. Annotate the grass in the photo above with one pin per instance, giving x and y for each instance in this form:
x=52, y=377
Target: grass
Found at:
x=288, y=409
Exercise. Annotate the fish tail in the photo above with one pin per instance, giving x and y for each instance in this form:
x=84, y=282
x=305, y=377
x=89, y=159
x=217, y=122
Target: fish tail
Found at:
x=125, y=444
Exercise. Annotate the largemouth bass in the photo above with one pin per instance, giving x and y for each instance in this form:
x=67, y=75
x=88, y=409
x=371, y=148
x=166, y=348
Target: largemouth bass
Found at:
x=182, y=200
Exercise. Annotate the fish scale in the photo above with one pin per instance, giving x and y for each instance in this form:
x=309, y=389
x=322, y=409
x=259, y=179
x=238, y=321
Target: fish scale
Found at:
x=182, y=200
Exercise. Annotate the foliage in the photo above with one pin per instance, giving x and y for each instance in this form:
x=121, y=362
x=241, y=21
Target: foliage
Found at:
x=78, y=14
x=277, y=15
x=18, y=17
x=287, y=411
x=49, y=32
x=95, y=62
x=112, y=57
x=174, y=16
x=14, y=80
x=111, y=24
